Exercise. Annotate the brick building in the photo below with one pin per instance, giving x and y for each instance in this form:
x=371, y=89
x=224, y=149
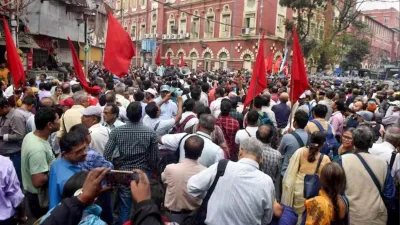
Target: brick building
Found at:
x=385, y=37
x=209, y=34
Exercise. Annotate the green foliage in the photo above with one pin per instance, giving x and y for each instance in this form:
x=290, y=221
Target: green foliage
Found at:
x=358, y=50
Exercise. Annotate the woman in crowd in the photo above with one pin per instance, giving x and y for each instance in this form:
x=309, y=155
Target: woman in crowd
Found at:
x=347, y=144
x=304, y=161
x=329, y=207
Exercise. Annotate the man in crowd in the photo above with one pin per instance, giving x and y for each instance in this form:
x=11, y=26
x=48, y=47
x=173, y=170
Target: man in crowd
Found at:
x=251, y=128
x=282, y=110
x=211, y=153
x=330, y=94
x=153, y=118
x=189, y=118
x=215, y=105
x=66, y=91
x=168, y=109
x=175, y=177
x=73, y=151
x=137, y=146
x=228, y=125
x=111, y=117
x=12, y=132
x=319, y=114
x=251, y=192
x=91, y=118
x=73, y=115
x=27, y=104
x=390, y=144
x=37, y=156
x=119, y=94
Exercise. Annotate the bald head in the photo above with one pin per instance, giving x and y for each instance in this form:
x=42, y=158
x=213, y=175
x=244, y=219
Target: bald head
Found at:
x=46, y=102
x=265, y=133
x=357, y=106
x=284, y=97
x=193, y=147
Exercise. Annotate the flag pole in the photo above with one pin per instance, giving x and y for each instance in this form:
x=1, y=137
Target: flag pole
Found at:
x=291, y=89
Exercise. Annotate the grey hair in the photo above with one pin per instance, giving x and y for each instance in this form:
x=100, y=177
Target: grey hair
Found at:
x=363, y=138
x=392, y=134
x=79, y=96
x=131, y=90
x=207, y=121
x=252, y=146
x=119, y=88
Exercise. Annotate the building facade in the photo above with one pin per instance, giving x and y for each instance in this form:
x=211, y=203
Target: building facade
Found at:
x=387, y=17
x=208, y=34
x=384, y=47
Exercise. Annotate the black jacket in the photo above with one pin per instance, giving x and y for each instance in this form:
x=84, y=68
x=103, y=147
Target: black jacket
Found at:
x=69, y=212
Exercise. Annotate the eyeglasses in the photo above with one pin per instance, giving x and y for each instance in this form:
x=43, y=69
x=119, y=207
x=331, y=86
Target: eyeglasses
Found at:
x=347, y=138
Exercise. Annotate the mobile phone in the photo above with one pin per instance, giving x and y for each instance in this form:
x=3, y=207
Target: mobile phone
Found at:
x=115, y=177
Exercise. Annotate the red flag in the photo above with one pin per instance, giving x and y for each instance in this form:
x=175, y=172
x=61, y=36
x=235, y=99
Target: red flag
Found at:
x=268, y=64
x=119, y=48
x=259, y=79
x=182, y=63
x=158, y=57
x=78, y=70
x=298, y=82
x=168, y=62
x=13, y=59
x=277, y=64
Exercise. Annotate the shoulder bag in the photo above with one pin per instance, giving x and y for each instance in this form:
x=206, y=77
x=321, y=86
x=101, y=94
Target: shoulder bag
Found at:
x=311, y=182
x=198, y=216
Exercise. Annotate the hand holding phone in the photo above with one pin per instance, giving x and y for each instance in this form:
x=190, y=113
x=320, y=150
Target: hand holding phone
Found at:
x=115, y=177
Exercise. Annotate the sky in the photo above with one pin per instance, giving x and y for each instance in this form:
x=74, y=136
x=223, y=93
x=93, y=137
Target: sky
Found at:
x=385, y=4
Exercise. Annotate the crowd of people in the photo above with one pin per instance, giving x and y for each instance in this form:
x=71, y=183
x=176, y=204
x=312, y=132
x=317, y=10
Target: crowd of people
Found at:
x=199, y=155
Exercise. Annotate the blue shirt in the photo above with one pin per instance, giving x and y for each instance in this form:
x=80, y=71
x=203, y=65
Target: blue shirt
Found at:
x=60, y=171
x=289, y=145
x=94, y=160
x=282, y=112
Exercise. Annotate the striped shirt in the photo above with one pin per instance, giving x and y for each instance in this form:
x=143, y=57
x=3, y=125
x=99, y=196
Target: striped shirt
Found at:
x=137, y=145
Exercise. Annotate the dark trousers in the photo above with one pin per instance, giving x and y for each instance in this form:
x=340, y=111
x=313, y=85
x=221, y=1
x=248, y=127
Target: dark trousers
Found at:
x=16, y=159
x=10, y=221
x=34, y=207
x=104, y=201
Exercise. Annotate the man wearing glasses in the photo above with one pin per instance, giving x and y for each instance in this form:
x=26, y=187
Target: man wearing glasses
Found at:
x=73, y=151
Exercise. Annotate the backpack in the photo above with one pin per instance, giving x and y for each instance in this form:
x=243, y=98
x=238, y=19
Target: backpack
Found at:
x=180, y=127
x=264, y=119
x=331, y=144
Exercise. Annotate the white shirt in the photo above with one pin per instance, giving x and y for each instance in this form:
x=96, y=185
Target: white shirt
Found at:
x=243, y=195
x=242, y=134
x=211, y=153
x=204, y=98
x=99, y=136
x=215, y=106
x=383, y=150
x=163, y=125
x=121, y=99
x=168, y=109
x=191, y=122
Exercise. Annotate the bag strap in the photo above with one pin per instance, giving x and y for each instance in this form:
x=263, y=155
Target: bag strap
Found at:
x=155, y=128
x=220, y=172
x=186, y=120
x=318, y=124
x=321, y=156
x=247, y=132
x=392, y=159
x=180, y=142
x=298, y=138
x=371, y=174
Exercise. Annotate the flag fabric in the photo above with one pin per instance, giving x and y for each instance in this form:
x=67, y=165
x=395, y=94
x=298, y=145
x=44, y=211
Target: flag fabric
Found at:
x=268, y=62
x=283, y=61
x=119, y=48
x=299, y=81
x=277, y=64
x=168, y=62
x=13, y=60
x=182, y=63
x=158, y=57
x=258, y=81
x=78, y=70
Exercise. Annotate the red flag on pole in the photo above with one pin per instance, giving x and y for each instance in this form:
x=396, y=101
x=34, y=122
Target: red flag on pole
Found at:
x=168, y=62
x=299, y=81
x=78, y=70
x=259, y=79
x=182, y=63
x=158, y=57
x=268, y=64
x=277, y=64
x=13, y=59
x=119, y=48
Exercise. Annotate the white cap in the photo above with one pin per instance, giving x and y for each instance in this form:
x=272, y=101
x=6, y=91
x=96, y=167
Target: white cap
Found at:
x=92, y=111
x=151, y=91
